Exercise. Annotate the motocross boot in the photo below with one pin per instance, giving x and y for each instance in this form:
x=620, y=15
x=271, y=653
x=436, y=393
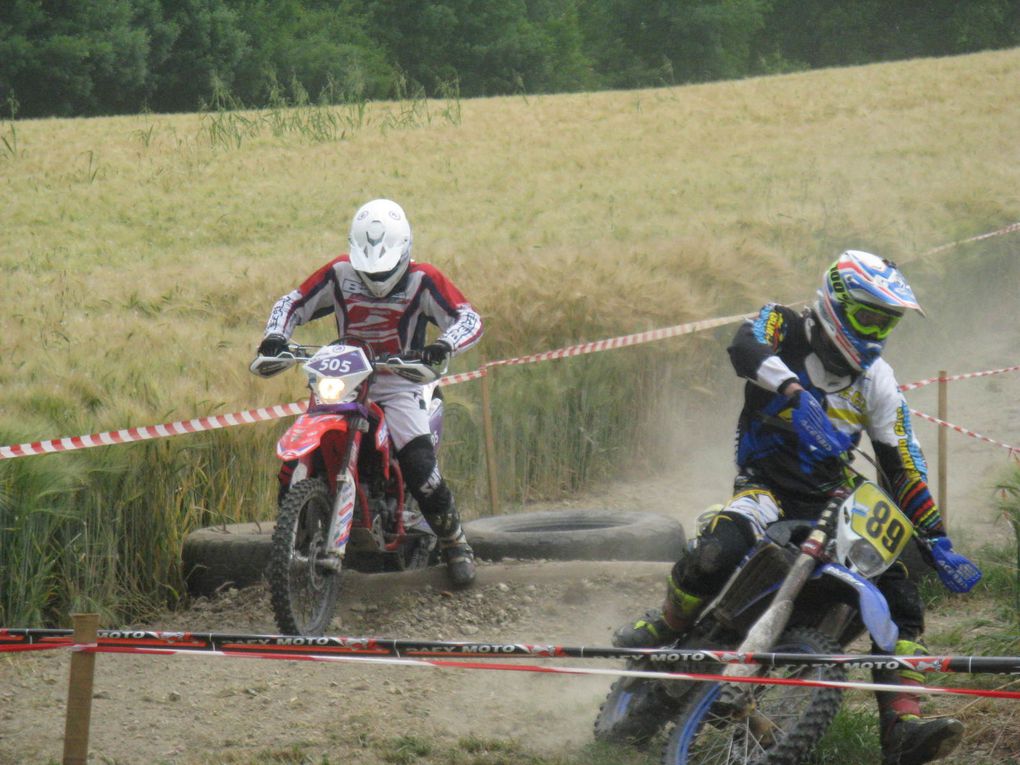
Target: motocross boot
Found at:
x=459, y=559
x=661, y=627
x=906, y=739
x=912, y=741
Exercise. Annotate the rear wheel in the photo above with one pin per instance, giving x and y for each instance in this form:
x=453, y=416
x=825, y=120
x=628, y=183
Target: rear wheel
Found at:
x=303, y=589
x=781, y=726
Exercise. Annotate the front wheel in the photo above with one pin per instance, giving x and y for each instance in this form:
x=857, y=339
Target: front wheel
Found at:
x=635, y=709
x=303, y=588
x=780, y=726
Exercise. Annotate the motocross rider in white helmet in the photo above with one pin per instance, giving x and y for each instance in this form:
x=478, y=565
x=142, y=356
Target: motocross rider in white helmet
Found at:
x=379, y=296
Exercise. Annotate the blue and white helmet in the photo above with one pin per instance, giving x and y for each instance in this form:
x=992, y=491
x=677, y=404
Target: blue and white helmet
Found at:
x=380, y=245
x=861, y=299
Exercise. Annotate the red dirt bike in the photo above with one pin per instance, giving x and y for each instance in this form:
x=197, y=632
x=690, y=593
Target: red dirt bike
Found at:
x=345, y=504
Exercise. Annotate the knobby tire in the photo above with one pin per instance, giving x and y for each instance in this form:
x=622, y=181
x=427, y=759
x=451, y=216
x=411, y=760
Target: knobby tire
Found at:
x=702, y=735
x=303, y=593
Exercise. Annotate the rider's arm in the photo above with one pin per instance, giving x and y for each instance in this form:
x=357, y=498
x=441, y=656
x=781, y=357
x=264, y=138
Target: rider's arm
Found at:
x=756, y=345
x=459, y=323
x=314, y=298
x=897, y=449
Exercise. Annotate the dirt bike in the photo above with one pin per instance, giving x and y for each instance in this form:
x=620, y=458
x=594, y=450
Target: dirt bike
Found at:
x=345, y=504
x=805, y=587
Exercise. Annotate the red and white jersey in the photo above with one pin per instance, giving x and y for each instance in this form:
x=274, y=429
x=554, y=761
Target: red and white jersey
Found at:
x=392, y=324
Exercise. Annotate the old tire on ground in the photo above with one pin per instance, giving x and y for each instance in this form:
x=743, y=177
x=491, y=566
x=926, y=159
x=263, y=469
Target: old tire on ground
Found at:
x=234, y=555
x=577, y=535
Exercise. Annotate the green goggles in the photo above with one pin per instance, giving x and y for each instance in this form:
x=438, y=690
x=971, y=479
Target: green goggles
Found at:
x=870, y=320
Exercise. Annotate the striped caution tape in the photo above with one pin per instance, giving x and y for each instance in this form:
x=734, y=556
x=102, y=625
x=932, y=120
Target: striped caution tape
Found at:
x=492, y=666
x=1014, y=451
x=952, y=378
x=998, y=232
x=283, y=410
x=183, y=427
x=452, y=655
x=179, y=428
x=295, y=645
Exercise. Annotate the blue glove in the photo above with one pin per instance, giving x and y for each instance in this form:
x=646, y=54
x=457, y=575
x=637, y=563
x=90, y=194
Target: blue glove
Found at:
x=957, y=573
x=816, y=435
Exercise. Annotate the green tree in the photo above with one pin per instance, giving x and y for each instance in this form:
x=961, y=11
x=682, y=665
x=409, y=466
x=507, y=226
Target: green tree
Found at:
x=73, y=58
x=488, y=46
x=203, y=55
x=319, y=48
x=667, y=41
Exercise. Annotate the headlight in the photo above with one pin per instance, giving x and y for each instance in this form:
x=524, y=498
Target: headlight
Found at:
x=865, y=558
x=330, y=390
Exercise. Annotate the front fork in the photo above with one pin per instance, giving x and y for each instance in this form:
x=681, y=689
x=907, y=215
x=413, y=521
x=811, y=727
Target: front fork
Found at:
x=345, y=499
x=737, y=698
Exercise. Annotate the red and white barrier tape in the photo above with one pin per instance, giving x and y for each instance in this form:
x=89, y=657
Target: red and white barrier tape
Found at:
x=282, y=410
x=452, y=655
x=951, y=378
x=621, y=342
x=179, y=428
x=1014, y=451
x=493, y=666
x=998, y=232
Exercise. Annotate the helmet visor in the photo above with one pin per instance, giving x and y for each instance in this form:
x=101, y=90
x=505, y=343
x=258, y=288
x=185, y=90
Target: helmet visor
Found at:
x=871, y=321
x=381, y=276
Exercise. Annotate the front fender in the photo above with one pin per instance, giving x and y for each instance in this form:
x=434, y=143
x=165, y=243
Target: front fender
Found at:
x=305, y=435
x=873, y=606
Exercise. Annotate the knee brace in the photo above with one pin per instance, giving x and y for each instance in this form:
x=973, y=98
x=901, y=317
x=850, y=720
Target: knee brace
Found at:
x=704, y=569
x=421, y=474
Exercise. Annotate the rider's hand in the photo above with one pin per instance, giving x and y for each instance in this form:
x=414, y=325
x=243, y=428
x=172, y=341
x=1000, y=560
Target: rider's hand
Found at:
x=815, y=430
x=272, y=345
x=957, y=573
x=435, y=354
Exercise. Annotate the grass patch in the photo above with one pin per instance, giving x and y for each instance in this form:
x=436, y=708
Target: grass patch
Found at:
x=852, y=739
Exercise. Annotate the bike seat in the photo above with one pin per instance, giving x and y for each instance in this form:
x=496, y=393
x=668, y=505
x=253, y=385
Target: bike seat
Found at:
x=789, y=532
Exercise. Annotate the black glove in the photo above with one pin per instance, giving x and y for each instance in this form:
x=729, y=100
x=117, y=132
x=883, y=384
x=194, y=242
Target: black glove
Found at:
x=435, y=354
x=272, y=345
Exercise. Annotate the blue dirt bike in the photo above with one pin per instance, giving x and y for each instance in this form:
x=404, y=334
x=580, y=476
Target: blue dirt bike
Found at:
x=806, y=587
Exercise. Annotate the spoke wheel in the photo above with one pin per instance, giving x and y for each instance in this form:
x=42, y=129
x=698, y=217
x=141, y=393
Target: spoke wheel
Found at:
x=303, y=590
x=635, y=709
x=780, y=727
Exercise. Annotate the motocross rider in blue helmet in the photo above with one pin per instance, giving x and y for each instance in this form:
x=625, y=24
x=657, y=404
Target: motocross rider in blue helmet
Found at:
x=821, y=372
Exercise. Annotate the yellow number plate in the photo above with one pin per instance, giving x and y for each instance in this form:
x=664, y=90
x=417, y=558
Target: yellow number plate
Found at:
x=876, y=518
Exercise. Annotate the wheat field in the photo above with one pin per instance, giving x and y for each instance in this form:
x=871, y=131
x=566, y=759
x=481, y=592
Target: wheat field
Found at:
x=141, y=255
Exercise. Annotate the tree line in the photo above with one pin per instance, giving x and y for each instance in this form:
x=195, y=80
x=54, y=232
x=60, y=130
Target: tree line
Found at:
x=96, y=57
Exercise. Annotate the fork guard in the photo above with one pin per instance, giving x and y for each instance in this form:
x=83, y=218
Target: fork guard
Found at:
x=873, y=607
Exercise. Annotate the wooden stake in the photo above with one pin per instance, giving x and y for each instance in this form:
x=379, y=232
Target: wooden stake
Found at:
x=79, y=691
x=943, y=448
x=490, y=444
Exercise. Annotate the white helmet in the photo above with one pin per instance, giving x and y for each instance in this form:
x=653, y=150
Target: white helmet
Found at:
x=380, y=245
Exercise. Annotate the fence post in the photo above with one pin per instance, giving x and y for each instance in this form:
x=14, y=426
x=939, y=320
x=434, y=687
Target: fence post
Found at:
x=943, y=447
x=79, y=691
x=490, y=443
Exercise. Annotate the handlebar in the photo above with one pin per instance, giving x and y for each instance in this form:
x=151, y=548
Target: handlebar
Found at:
x=407, y=365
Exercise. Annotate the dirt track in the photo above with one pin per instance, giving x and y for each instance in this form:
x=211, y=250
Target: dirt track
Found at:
x=180, y=709
x=190, y=710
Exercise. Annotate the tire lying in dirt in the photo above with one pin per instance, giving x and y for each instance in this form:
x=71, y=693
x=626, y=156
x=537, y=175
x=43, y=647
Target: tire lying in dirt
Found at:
x=234, y=555
x=577, y=535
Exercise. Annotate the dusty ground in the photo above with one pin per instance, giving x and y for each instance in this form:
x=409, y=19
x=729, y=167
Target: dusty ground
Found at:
x=181, y=709
x=200, y=710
